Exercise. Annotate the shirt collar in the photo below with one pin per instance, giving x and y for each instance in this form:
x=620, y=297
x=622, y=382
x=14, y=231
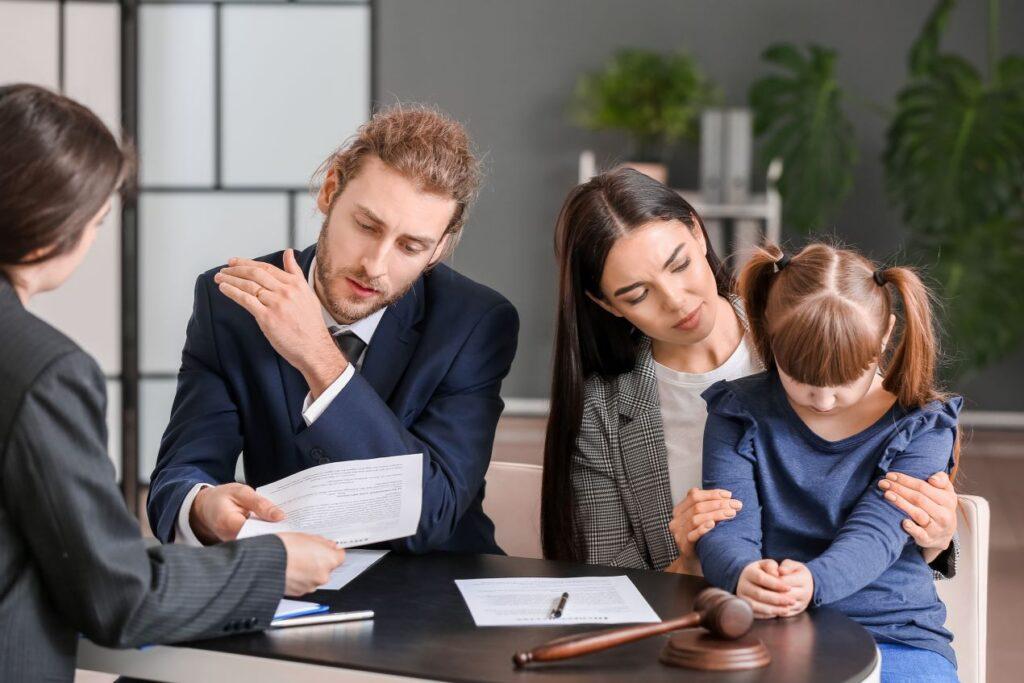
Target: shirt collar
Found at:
x=363, y=329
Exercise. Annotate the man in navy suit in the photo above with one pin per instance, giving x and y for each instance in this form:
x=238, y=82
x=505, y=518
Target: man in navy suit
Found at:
x=361, y=347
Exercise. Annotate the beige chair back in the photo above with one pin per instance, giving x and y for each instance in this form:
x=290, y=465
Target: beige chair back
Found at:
x=966, y=594
x=512, y=501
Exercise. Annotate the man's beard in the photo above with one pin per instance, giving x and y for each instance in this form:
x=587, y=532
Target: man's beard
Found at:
x=342, y=311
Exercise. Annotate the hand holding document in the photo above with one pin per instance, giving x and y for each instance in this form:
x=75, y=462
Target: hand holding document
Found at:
x=536, y=601
x=356, y=562
x=354, y=502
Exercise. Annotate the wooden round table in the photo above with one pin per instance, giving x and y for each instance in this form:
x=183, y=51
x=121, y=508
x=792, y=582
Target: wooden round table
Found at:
x=423, y=630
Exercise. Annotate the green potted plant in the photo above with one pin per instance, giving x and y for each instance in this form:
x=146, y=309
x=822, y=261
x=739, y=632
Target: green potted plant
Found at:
x=954, y=163
x=954, y=166
x=656, y=99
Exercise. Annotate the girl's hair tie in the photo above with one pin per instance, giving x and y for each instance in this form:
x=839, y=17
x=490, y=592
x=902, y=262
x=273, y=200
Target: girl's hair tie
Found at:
x=782, y=262
x=879, y=276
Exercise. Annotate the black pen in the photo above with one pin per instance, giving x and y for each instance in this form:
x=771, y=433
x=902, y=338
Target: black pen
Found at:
x=557, y=611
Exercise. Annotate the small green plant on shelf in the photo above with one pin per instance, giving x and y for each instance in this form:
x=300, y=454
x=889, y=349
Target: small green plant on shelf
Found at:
x=654, y=98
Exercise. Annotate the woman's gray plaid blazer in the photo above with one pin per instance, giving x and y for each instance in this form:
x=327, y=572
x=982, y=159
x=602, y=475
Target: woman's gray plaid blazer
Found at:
x=620, y=473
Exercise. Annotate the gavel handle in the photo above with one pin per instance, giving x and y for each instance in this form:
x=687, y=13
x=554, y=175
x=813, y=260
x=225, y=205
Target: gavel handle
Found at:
x=595, y=641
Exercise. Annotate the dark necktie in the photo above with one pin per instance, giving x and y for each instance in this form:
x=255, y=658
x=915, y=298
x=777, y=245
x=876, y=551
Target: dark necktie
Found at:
x=349, y=343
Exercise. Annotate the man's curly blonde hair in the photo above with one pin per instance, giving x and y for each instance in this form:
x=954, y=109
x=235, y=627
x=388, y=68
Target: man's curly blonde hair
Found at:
x=424, y=145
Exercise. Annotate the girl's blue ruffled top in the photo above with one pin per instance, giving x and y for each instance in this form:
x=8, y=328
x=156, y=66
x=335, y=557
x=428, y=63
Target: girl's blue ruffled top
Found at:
x=816, y=501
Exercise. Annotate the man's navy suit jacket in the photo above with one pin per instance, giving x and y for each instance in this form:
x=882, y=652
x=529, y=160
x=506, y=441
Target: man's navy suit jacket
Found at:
x=429, y=383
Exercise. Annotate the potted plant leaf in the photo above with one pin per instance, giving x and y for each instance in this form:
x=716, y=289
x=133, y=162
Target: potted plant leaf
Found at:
x=798, y=114
x=954, y=166
x=954, y=163
x=654, y=98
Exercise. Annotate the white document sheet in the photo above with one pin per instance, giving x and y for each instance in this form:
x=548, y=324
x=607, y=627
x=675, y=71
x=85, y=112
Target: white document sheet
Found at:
x=356, y=562
x=353, y=502
x=529, y=601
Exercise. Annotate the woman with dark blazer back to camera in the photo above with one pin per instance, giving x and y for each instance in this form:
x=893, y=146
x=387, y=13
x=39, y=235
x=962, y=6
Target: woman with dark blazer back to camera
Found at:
x=72, y=559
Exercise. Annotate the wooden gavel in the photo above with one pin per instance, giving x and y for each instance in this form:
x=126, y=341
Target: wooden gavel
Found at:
x=720, y=612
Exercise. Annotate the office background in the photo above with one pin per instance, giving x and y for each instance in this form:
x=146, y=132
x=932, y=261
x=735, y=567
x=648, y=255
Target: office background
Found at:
x=234, y=104
x=507, y=68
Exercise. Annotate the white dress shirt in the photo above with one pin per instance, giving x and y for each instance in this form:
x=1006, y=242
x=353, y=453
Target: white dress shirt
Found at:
x=311, y=410
x=684, y=414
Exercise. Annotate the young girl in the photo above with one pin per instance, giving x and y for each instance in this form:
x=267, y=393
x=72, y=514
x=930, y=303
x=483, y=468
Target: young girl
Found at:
x=802, y=444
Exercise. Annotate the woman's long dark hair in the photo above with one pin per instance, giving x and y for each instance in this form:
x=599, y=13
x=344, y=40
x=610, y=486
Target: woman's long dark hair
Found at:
x=588, y=339
x=58, y=166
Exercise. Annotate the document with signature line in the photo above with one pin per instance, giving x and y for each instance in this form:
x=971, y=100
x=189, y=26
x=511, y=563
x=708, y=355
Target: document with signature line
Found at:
x=354, y=502
x=532, y=601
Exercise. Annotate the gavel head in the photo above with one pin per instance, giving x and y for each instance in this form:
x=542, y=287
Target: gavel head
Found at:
x=724, y=614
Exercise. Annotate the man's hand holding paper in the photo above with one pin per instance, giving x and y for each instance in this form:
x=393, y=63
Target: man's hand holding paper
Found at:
x=218, y=512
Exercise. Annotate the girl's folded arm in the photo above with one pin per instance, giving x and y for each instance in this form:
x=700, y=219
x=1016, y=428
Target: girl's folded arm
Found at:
x=729, y=463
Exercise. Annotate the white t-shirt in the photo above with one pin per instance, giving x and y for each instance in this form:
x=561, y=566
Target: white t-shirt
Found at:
x=684, y=414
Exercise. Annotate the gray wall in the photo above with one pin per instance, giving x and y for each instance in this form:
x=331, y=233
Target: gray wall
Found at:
x=506, y=67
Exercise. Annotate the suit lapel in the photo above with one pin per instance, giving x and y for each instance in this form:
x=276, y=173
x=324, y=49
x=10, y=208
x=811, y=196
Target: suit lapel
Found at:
x=645, y=458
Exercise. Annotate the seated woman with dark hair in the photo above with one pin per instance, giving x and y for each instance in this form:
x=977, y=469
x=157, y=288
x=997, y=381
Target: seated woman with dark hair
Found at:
x=72, y=559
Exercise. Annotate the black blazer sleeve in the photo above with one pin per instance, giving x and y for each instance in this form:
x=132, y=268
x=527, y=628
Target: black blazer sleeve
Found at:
x=101, y=576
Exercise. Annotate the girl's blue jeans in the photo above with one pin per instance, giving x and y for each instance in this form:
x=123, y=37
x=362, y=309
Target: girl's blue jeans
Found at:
x=906, y=664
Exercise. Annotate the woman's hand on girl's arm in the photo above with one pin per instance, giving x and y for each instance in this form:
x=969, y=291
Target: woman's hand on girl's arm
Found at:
x=693, y=517
x=930, y=506
x=767, y=592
